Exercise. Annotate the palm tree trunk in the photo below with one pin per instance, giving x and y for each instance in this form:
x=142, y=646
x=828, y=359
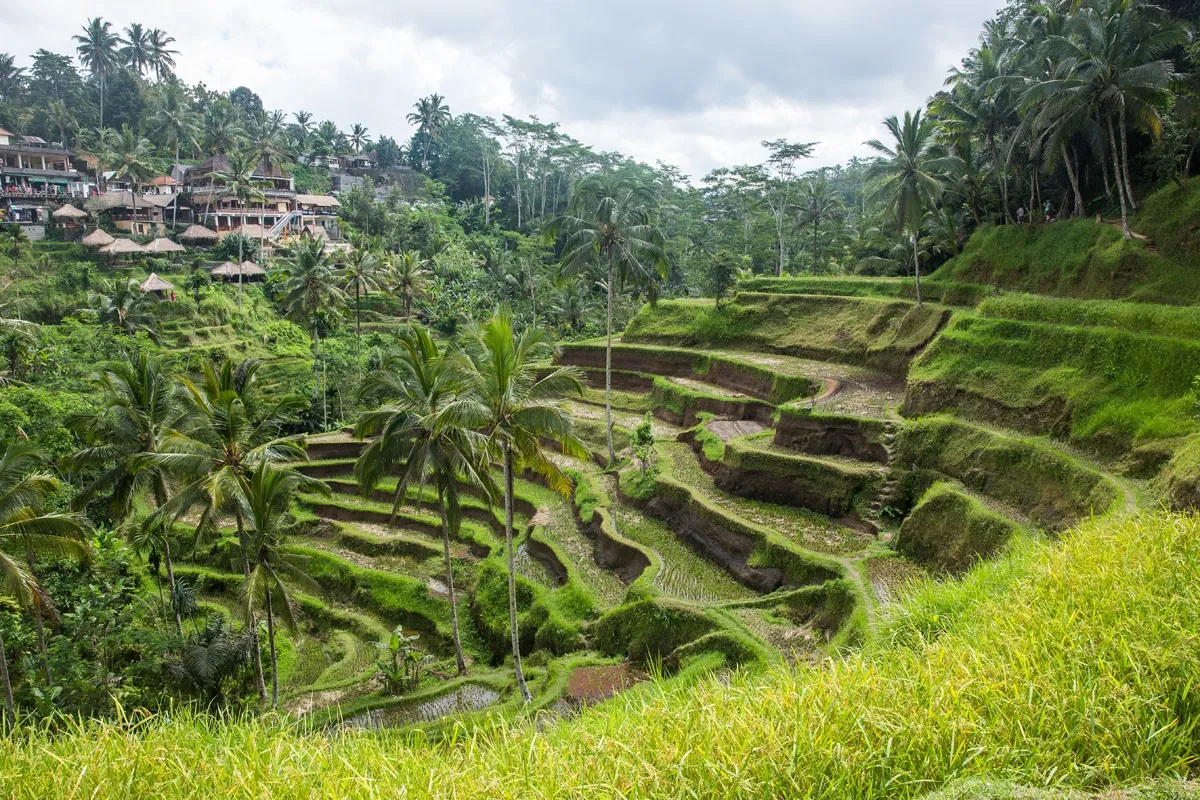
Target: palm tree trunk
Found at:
x=274, y=655
x=458, y=654
x=814, y=245
x=512, y=574
x=917, y=267
x=175, y=205
x=171, y=582
x=608, y=424
x=251, y=620
x=241, y=241
x=37, y=624
x=1000, y=171
x=1112, y=136
x=1079, y=209
x=10, y=705
x=101, y=101
x=357, y=313
x=1125, y=160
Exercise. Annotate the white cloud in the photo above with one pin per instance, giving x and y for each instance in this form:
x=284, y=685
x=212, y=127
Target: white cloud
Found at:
x=696, y=83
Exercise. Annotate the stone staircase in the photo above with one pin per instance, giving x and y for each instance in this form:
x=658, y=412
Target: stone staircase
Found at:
x=890, y=490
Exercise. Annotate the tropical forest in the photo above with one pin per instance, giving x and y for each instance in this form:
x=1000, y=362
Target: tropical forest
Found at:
x=468, y=459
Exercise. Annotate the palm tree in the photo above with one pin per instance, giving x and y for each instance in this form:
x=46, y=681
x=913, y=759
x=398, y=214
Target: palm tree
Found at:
x=408, y=276
x=238, y=181
x=1115, y=52
x=222, y=129
x=132, y=161
x=359, y=139
x=608, y=228
x=504, y=369
x=311, y=289
x=195, y=282
x=25, y=487
x=126, y=308
x=162, y=57
x=431, y=115
x=426, y=427
x=138, y=407
x=97, y=48
x=173, y=123
x=228, y=432
x=303, y=127
x=572, y=304
x=819, y=203
x=58, y=115
x=907, y=175
x=265, y=505
x=137, y=53
x=361, y=274
x=269, y=152
x=12, y=77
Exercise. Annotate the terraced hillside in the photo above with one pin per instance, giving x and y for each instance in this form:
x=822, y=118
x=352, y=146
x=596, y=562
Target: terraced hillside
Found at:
x=821, y=448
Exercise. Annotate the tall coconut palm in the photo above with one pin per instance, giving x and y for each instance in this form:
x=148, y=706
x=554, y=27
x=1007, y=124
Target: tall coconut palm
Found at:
x=431, y=115
x=908, y=175
x=162, y=57
x=97, y=48
x=239, y=182
x=523, y=410
x=12, y=78
x=265, y=504
x=229, y=430
x=407, y=276
x=1116, y=57
x=608, y=228
x=270, y=151
x=819, y=204
x=302, y=128
x=174, y=124
x=359, y=138
x=58, y=115
x=222, y=129
x=312, y=289
x=137, y=53
x=25, y=527
x=361, y=274
x=132, y=160
x=427, y=430
x=138, y=407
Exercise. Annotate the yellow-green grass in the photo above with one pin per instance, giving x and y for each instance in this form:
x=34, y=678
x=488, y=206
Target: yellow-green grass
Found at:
x=947, y=293
x=1067, y=666
x=1148, y=318
x=1071, y=258
x=950, y=530
x=1111, y=388
x=871, y=331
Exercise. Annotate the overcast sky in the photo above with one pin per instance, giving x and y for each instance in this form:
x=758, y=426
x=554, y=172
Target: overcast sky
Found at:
x=695, y=83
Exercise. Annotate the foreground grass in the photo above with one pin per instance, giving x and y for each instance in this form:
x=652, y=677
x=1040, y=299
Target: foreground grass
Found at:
x=1058, y=666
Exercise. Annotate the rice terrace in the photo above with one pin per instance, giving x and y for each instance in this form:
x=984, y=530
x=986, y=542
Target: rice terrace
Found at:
x=463, y=458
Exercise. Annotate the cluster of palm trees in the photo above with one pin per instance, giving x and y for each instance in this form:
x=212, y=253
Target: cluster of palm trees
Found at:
x=443, y=417
x=103, y=52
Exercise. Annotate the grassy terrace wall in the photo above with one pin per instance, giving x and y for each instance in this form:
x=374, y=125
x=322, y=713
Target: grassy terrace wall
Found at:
x=1114, y=388
x=831, y=435
x=826, y=486
x=946, y=293
x=1072, y=258
x=630, y=363
x=949, y=530
x=1053, y=489
x=877, y=332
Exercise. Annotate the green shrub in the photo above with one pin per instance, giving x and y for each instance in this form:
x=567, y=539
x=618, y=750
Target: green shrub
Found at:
x=649, y=629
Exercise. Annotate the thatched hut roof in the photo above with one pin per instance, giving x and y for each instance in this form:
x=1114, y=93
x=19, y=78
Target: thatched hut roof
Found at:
x=119, y=246
x=226, y=270
x=155, y=284
x=199, y=233
x=69, y=211
x=164, y=245
x=98, y=238
x=251, y=230
x=250, y=268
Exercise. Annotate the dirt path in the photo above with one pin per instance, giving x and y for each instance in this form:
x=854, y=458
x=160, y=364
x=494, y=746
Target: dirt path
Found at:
x=726, y=429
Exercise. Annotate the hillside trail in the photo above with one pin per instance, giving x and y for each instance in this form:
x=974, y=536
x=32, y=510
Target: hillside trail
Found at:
x=1145, y=240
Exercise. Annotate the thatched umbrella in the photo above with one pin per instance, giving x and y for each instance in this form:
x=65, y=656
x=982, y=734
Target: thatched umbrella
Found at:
x=98, y=238
x=122, y=247
x=155, y=284
x=69, y=213
x=251, y=270
x=199, y=233
x=164, y=245
x=226, y=271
